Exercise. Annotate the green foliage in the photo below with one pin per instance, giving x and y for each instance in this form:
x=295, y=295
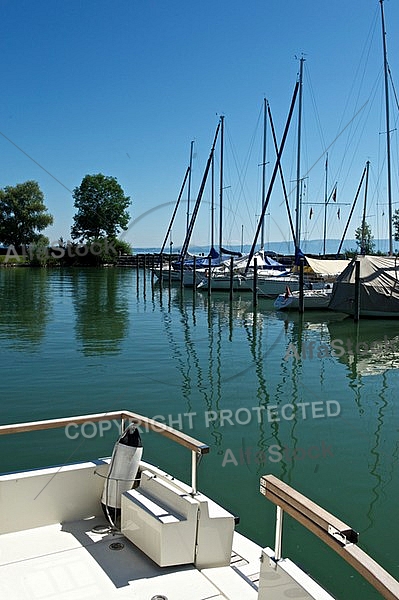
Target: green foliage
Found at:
x=364, y=239
x=122, y=247
x=395, y=223
x=350, y=253
x=101, y=208
x=39, y=253
x=23, y=214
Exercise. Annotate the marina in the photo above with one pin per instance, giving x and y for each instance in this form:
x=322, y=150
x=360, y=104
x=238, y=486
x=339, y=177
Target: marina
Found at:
x=308, y=398
x=210, y=411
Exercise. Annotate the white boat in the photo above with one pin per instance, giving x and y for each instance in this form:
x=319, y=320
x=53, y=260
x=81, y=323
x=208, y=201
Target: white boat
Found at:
x=243, y=273
x=315, y=299
x=222, y=281
x=318, y=274
x=169, y=541
x=168, y=274
x=271, y=287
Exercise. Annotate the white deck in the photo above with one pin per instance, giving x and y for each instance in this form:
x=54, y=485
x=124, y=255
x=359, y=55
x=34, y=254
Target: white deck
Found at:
x=71, y=562
x=51, y=550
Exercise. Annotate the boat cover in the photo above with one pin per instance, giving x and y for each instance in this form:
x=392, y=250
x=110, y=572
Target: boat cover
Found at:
x=262, y=260
x=327, y=267
x=201, y=261
x=379, y=286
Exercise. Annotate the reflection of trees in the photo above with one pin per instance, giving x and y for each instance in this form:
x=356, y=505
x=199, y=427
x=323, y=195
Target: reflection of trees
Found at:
x=25, y=305
x=100, y=297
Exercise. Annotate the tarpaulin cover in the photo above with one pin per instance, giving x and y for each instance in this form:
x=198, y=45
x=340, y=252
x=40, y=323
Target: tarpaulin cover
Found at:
x=379, y=287
x=326, y=267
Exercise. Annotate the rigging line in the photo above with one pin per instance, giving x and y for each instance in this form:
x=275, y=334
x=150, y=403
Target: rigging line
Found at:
x=35, y=161
x=368, y=45
x=242, y=174
x=313, y=99
x=329, y=146
x=393, y=88
x=233, y=209
x=356, y=134
x=242, y=186
x=359, y=76
x=334, y=140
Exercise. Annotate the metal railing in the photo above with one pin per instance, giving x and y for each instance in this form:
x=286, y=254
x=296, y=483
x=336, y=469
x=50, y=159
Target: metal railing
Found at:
x=197, y=448
x=332, y=531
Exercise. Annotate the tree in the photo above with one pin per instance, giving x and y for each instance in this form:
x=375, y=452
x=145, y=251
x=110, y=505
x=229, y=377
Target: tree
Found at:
x=101, y=208
x=23, y=214
x=364, y=239
x=395, y=222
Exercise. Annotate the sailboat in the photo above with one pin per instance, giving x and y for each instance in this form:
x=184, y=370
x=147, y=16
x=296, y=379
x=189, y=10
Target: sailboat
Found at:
x=369, y=286
x=185, y=263
x=268, y=286
x=313, y=299
x=231, y=274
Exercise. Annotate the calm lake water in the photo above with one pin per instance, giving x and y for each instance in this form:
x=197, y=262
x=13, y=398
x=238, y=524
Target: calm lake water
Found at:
x=313, y=401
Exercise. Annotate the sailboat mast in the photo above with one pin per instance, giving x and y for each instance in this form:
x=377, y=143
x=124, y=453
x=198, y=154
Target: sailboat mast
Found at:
x=384, y=45
x=325, y=208
x=298, y=163
x=273, y=177
x=363, y=240
x=213, y=203
x=262, y=232
x=189, y=232
x=189, y=185
x=175, y=210
x=351, y=211
x=221, y=185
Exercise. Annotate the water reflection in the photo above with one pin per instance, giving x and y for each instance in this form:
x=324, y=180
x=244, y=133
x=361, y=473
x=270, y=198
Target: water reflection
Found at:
x=101, y=302
x=176, y=351
x=369, y=347
x=26, y=306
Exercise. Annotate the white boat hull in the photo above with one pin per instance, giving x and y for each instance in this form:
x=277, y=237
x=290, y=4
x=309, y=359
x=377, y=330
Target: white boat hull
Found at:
x=271, y=287
x=223, y=282
x=312, y=300
x=166, y=274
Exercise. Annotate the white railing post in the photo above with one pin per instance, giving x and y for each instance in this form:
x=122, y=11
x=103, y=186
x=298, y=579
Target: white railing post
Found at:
x=279, y=533
x=193, y=472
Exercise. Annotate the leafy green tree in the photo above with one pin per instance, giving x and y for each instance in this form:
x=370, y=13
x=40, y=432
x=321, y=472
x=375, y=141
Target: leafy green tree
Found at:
x=395, y=223
x=364, y=239
x=101, y=208
x=23, y=214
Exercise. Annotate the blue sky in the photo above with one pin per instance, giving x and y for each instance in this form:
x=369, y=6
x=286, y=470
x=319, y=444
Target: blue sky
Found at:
x=123, y=87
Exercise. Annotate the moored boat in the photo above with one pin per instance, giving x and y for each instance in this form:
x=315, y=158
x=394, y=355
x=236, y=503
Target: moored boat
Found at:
x=315, y=299
x=169, y=540
x=374, y=292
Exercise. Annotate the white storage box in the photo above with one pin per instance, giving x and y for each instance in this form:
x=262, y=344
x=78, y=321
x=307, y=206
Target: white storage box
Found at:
x=160, y=521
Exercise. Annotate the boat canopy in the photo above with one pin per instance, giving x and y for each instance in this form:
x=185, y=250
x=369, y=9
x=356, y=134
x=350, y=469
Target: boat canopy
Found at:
x=201, y=261
x=230, y=252
x=262, y=260
x=379, y=286
x=327, y=268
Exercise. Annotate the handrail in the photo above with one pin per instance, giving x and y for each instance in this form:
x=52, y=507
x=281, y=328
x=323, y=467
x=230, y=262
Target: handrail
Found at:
x=331, y=530
x=197, y=448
